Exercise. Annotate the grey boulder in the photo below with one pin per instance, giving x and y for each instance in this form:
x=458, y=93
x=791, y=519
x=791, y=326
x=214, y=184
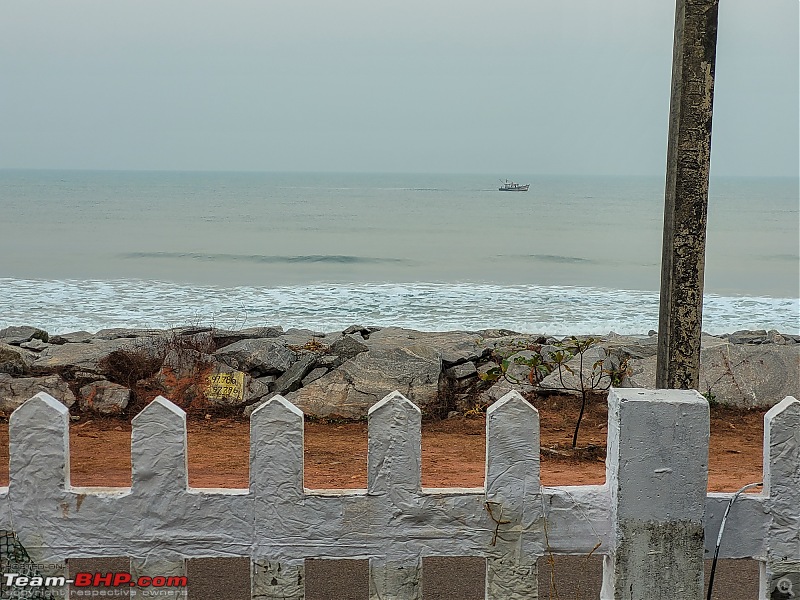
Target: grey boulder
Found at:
x=258, y=357
x=15, y=391
x=452, y=347
x=19, y=335
x=292, y=379
x=83, y=356
x=104, y=398
x=738, y=375
x=73, y=337
x=362, y=381
x=15, y=360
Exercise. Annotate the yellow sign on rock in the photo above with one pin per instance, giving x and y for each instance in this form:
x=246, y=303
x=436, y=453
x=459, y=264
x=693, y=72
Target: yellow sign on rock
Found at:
x=228, y=387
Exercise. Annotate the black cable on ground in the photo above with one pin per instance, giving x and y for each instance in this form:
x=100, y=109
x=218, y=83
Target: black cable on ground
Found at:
x=719, y=536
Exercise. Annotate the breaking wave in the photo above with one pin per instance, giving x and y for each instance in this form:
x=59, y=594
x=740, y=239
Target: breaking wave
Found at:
x=70, y=305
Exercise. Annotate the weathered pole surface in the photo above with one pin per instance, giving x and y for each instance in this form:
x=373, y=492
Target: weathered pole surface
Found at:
x=686, y=196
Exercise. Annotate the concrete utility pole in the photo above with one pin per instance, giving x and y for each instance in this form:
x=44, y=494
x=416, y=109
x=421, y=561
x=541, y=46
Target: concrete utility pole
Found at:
x=686, y=197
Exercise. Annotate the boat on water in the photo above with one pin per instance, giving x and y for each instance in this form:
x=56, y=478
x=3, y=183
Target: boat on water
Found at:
x=510, y=186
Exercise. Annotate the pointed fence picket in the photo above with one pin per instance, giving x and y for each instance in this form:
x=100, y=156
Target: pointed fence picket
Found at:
x=652, y=516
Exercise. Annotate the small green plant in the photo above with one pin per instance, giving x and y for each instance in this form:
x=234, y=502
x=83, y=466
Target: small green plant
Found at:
x=539, y=367
x=495, y=373
x=605, y=372
x=602, y=376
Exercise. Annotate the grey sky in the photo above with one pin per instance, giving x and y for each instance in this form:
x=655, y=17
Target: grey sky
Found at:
x=508, y=86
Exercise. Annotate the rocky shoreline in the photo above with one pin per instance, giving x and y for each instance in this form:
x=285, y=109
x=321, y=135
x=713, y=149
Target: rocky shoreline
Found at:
x=115, y=372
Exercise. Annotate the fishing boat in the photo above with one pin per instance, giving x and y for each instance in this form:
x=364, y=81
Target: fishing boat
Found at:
x=510, y=186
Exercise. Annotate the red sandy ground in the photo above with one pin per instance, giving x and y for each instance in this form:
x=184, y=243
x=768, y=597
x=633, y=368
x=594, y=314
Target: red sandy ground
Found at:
x=453, y=450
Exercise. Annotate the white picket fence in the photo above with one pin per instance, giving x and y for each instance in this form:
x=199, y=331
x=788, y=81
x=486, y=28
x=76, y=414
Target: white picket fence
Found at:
x=652, y=521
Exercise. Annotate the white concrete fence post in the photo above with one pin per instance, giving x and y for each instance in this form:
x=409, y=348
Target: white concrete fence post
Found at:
x=780, y=573
x=513, y=499
x=394, y=471
x=160, y=479
x=276, y=482
x=39, y=478
x=657, y=474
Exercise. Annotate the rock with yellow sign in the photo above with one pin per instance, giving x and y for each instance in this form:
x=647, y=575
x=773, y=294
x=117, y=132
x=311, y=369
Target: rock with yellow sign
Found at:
x=226, y=388
x=229, y=387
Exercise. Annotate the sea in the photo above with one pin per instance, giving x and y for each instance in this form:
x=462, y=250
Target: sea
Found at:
x=88, y=250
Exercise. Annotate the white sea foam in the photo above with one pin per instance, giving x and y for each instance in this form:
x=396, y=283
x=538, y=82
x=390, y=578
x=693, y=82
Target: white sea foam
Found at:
x=68, y=305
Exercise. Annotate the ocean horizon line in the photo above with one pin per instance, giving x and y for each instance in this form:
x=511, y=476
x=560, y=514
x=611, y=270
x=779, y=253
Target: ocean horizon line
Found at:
x=495, y=174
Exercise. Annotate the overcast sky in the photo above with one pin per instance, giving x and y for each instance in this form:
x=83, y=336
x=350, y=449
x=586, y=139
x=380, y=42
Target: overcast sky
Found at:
x=507, y=86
